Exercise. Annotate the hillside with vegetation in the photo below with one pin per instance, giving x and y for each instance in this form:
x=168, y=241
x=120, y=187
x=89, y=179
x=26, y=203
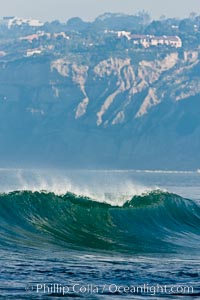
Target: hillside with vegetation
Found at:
x=119, y=92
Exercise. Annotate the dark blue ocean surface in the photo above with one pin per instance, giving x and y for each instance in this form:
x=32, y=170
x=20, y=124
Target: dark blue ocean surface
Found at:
x=99, y=234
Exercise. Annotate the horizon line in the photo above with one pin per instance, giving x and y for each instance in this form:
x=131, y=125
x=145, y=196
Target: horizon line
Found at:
x=91, y=20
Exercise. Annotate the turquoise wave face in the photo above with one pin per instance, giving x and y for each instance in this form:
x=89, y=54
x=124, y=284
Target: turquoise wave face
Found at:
x=152, y=223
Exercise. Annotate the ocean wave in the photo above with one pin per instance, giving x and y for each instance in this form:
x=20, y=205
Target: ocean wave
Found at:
x=153, y=222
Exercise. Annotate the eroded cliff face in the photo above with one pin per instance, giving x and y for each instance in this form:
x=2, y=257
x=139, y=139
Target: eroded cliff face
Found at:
x=119, y=112
x=153, y=81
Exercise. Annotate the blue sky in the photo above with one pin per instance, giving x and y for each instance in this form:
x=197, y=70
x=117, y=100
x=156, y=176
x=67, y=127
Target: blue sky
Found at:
x=89, y=9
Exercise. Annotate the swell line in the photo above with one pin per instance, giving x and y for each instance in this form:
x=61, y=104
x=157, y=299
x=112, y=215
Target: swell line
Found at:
x=156, y=221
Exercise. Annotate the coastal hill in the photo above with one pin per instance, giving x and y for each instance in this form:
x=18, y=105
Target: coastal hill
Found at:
x=119, y=92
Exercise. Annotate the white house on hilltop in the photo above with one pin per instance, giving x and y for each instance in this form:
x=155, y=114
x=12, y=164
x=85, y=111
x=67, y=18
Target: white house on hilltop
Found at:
x=32, y=52
x=126, y=34
x=149, y=40
x=14, y=21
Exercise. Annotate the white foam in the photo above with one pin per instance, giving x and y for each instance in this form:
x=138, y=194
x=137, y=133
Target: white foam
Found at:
x=164, y=171
x=102, y=188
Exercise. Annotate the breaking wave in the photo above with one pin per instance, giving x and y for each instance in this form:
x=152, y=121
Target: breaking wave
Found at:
x=153, y=222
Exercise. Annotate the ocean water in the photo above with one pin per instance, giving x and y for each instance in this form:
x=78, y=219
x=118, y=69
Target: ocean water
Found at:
x=99, y=234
